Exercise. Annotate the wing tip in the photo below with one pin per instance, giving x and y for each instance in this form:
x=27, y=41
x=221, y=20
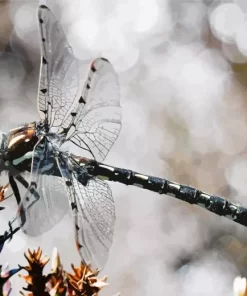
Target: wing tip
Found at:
x=43, y=6
x=98, y=60
x=104, y=59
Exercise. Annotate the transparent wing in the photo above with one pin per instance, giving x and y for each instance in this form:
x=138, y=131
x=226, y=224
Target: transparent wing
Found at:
x=45, y=202
x=94, y=216
x=96, y=122
x=59, y=74
x=95, y=220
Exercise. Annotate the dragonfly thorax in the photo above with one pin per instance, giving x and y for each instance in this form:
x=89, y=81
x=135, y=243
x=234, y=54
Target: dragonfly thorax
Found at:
x=20, y=144
x=56, y=139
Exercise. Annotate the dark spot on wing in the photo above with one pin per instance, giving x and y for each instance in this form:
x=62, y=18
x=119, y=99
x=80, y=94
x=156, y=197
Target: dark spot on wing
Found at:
x=73, y=114
x=73, y=206
x=93, y=68
x=44, y=61
x=81, y=100
x=68, y=183
x=88, y=86
x=79, y=246
x=44, y=90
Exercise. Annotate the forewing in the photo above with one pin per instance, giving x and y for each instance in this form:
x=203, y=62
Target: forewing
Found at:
x=95, y=124
x=94, y=216
x=59, y=75
x=45, y=202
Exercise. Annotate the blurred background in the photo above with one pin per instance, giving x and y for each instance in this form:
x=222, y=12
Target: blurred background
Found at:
x=182, y=68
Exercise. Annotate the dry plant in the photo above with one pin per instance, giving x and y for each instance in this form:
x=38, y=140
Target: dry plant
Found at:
x=5, y=275
x=240, y=286
x=83, y=281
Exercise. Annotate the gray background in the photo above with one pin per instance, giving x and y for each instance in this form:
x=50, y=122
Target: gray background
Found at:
x=182, y=71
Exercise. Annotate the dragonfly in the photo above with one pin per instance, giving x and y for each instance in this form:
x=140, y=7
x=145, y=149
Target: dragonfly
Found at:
x=89, y=119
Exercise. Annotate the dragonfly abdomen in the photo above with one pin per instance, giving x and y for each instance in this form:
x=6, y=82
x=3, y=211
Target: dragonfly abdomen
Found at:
x=215, y=204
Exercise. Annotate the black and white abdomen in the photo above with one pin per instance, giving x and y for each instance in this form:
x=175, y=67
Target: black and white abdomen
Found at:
x=21, y=142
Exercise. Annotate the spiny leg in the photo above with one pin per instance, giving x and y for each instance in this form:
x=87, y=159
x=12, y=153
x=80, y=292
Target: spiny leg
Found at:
x=15, y=189
x=9, y=234
x=22, y=181
x=12, y=228
x=22, y=214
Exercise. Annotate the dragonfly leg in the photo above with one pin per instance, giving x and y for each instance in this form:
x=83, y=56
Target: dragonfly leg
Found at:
x=9, y=234
x=22, y=181
x=32, y=188
x=15, y=189
x=17, y=194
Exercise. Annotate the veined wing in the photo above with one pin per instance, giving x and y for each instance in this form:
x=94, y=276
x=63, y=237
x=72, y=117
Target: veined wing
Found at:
x=45, y=202
x=96, y=122
x=93, y=212
x=59, y=74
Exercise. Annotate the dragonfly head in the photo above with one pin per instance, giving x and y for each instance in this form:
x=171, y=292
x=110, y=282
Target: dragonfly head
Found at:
x=3, y=148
